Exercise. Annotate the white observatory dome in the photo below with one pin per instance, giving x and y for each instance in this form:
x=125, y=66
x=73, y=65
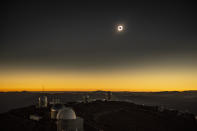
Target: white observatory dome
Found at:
x=66, y=114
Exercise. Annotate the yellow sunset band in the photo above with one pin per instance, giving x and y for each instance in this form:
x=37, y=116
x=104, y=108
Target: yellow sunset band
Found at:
x=144, y=80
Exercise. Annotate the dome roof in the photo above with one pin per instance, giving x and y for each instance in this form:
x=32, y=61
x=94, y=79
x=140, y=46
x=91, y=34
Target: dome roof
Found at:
x=57, y=107
x=66, y=114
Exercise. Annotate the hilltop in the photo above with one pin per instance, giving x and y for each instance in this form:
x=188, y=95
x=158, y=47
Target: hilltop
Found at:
x=104, y=115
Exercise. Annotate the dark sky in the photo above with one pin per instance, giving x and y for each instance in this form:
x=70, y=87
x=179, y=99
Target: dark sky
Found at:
x=83, y=33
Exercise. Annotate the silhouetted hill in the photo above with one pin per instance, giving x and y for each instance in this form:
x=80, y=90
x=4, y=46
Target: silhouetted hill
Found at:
x=104, y=115
x=124, y=116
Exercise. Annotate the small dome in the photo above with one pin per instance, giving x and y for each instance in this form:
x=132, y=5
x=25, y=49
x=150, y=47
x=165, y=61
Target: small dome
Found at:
x=66, y=114
x=57, y=107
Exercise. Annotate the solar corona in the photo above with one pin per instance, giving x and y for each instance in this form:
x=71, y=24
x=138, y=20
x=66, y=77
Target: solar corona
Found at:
x=120, y=28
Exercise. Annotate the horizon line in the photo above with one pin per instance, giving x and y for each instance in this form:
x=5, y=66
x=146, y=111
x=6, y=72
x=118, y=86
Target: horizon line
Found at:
x=98, y=91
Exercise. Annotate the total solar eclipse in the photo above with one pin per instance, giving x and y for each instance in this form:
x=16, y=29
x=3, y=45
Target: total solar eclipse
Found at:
x=120, y=28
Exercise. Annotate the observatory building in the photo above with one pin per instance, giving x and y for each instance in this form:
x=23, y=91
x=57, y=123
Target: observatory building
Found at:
x=55, y=109
x=55, y=101
x=68, y=121
x=66, y=118
x=86, y=99
x=42, y=102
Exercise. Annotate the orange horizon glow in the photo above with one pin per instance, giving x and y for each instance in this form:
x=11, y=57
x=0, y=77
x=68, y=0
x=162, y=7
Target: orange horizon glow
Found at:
x=129, y=80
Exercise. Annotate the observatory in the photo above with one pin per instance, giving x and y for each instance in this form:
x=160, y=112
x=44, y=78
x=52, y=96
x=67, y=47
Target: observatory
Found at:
x=55, y=109
x=66, y=114
x=68, y=121
x=66, y=118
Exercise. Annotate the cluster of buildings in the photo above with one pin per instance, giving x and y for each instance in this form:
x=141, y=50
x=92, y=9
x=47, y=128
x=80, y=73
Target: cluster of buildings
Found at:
x=64, y=117
x=107, y=97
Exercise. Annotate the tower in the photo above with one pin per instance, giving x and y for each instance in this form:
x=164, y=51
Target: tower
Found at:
x=108, y=95
x=42, y=101
x=86, y=98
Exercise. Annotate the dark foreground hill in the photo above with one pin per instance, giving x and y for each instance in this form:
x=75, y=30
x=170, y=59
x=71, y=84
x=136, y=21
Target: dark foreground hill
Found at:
x=106, y=116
